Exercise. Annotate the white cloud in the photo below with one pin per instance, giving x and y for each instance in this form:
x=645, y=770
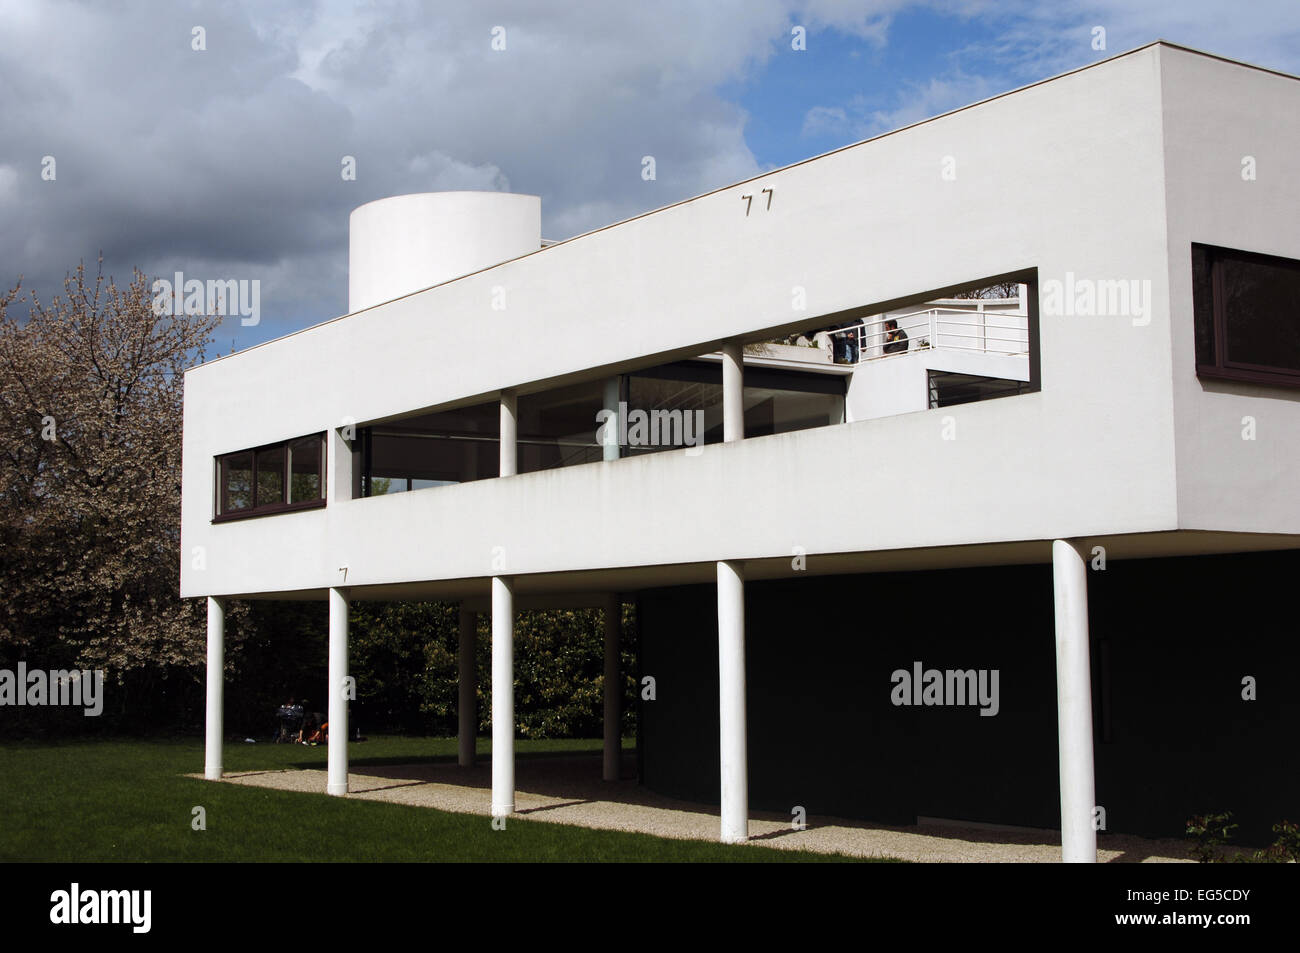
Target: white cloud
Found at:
x=924, y=100
x=826, y=120
x=869, y=20
x=860, y=118
x=442, y=173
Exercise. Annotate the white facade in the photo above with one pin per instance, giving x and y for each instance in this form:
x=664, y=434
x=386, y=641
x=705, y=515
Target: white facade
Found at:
x=1118, y=169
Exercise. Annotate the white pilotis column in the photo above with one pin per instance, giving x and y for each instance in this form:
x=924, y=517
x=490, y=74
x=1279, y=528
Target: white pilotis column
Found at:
x=216, y=688
x=1074, y=703
x=613, y=689
x=509, y=434
x=731, y=700
x=503, y=696
x=466, y=708
x=337, y=708
x=733, y=391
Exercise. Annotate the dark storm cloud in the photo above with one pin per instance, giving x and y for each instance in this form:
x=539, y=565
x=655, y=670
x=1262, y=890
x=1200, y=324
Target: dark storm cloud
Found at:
x=226, y=162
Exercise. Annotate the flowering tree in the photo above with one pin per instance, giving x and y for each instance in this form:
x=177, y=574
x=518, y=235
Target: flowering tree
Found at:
x=91, y=390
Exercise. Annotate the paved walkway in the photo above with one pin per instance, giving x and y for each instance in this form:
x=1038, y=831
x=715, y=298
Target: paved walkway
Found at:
x=568, y=790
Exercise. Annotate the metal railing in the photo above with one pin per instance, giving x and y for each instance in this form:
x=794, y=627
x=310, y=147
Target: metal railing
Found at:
x=986, y=332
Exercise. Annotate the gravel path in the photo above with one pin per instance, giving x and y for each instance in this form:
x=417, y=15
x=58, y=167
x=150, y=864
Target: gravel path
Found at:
x=568, y=790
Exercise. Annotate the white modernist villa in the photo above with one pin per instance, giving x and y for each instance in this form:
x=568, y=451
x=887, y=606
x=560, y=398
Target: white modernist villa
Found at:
x=1079, y=495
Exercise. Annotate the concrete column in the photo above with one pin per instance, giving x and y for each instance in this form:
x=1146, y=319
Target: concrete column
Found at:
x=611, y=422
x=1074, y=703
x=216, y=688
x=337, y=708
x=503, y=697
x=342, y=483
x=509, y=434
x=466, y=709
x=733, y=391
x=731, y=699
x=613, y=689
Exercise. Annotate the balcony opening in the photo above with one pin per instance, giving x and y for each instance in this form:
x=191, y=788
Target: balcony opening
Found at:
x=954, y=345
x=981, y=319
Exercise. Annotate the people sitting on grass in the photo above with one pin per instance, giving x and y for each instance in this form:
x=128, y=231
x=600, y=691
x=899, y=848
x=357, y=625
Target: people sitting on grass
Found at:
x=310, y=720
x=321, y=734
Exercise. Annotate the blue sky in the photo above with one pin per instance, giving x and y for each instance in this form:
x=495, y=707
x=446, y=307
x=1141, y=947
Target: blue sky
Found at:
x=842, y=71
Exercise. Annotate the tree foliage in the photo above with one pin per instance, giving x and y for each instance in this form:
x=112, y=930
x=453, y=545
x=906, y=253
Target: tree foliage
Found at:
x=1003, y=289
x=404, y=657
x=90, y=469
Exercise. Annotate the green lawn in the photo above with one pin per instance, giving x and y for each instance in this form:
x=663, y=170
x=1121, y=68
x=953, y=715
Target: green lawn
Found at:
x=128, y=800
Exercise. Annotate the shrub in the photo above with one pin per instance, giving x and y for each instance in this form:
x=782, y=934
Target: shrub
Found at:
x=1212, y=832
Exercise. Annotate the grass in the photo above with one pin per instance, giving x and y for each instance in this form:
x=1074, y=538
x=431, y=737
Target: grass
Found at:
x=128, y=800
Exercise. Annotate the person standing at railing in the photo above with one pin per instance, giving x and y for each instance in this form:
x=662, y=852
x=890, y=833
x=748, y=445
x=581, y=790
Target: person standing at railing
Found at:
x=845, y=338
x=895, y=338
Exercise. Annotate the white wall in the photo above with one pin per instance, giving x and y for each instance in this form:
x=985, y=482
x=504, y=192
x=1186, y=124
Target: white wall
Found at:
x=1092, y=453
x=1215, y=114
x=889, y=386
x=900, y=384
x=407, y=243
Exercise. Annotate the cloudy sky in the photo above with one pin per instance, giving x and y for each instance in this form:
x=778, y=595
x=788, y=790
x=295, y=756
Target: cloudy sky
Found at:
x=226, y=161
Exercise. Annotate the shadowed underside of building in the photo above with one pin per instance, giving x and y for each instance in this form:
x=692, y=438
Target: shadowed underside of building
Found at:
x=1172, y=642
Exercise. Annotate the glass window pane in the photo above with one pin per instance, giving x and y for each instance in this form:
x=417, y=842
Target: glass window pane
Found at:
x=1203, y=306
x=557, y=428
x=237, y=482
x=437, y=449
x=688, y=400
x=771, y=410
x=270, y=476
x=305, y=479
x=775, y=400
x=1261, y=310
x=382, y=486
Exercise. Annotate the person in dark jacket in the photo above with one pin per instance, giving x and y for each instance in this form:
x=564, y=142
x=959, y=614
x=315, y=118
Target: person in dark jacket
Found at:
x=895, y=339
x=845, y=343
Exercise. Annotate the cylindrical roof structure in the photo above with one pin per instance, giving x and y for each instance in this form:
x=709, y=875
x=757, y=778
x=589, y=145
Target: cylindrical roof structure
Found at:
x=407, y=243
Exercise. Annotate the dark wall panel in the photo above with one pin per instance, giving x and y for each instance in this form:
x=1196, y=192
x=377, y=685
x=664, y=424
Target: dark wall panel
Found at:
x=1179, y=634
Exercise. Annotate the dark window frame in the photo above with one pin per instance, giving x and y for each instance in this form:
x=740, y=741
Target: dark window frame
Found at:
x=1211, y=350
x=766, y=378
x=221, y=511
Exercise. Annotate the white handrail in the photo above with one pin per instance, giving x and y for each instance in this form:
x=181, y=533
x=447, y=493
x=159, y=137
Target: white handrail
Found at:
x=942, y=327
